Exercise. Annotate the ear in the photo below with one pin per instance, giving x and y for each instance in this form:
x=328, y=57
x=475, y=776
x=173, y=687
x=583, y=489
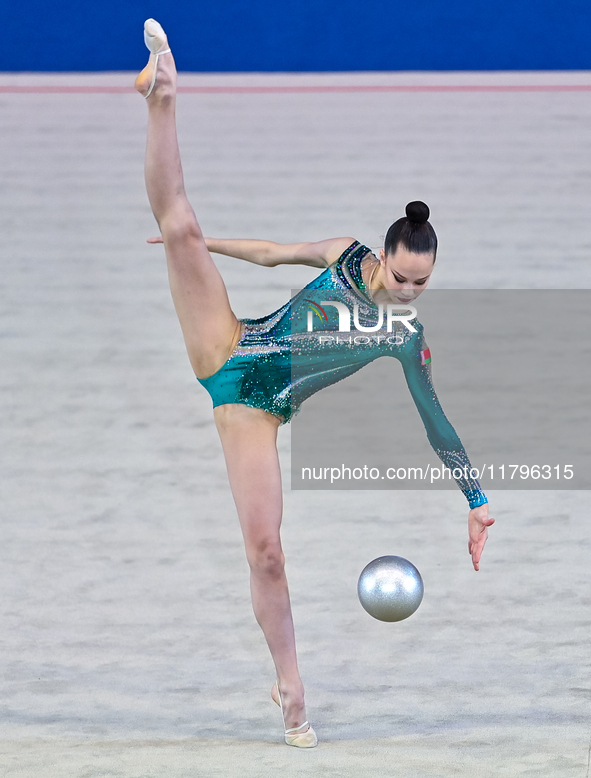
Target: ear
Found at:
x=382, y=256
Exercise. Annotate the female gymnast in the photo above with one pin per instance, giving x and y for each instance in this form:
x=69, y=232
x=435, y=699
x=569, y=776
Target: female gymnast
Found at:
x=246, y=365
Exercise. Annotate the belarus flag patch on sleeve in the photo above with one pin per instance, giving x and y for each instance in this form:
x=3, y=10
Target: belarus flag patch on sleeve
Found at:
x=425, y=357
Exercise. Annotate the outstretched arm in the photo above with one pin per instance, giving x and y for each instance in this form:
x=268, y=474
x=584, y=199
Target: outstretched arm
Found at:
x=447, y=445
x=270, y=254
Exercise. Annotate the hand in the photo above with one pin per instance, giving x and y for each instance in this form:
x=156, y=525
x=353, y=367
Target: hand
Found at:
x=478, y=524
x=155, y=240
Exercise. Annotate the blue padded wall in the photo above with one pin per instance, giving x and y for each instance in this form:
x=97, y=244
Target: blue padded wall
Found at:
x=307, y=35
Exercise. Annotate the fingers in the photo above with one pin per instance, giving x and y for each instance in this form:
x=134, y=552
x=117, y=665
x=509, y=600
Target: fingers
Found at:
x=155, y=240
x=476, y=554
x=478, y=533
x=475, y=548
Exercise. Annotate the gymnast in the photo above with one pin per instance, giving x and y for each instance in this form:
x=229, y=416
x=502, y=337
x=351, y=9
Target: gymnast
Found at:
x=246, y=365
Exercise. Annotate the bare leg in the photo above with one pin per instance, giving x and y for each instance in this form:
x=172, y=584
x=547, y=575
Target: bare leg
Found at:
x=249, y=438
x=211, y=330
x=209, y=325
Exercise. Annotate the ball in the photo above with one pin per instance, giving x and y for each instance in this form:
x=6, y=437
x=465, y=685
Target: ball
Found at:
x=390, y=588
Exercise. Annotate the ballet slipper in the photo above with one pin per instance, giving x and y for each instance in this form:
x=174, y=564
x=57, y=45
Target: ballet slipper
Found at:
x=157, y=43
x=305, y=739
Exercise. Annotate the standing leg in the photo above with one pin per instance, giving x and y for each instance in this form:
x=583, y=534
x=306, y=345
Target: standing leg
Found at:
x=209, y=325
x=249, y=440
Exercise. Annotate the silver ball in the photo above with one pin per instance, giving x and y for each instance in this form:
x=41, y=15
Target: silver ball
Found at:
x=390, y=588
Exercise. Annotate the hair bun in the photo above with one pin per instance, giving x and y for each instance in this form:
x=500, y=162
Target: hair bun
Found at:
x=417, y=212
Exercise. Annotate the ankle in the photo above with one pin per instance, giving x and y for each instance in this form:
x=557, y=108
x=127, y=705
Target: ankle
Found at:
x=162, y=97
x=157, y=81
x=291, y=692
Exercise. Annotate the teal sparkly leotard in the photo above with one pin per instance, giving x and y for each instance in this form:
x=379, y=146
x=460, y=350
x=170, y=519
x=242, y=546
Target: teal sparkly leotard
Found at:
x=279, y=362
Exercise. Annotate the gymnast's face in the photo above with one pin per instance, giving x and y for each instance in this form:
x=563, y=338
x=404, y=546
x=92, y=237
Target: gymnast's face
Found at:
x=405, y=274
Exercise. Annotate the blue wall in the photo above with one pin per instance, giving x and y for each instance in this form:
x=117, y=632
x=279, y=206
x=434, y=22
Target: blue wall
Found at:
x=301, y=35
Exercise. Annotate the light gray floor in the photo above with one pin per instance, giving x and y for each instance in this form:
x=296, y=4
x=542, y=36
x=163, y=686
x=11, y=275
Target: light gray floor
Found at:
x=128, y=643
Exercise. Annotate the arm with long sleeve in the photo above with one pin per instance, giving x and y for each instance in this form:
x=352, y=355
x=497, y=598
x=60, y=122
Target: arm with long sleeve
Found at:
x=440, y=433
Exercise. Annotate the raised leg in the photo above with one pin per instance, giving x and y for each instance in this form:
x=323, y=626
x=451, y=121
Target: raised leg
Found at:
x=249, y=440
x=209, y=325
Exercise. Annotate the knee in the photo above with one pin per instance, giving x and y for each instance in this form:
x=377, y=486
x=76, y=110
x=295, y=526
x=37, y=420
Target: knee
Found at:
x=266, y=559
x=181, y=228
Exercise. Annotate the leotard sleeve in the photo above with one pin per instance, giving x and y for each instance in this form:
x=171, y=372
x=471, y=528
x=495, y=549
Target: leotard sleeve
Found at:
x=416, y=363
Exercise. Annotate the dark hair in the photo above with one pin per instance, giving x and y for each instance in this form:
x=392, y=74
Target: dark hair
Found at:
x=413, y=231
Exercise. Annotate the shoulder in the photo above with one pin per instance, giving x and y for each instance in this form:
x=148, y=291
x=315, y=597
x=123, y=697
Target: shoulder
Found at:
x=412, y=341
x=422, y=351
x=340, y=248
x=327, y=252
